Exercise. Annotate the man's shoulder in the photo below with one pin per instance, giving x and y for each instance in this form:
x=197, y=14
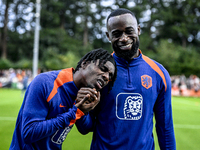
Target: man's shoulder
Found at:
x=158, y=68
x=46, y=77
x=48, y=74
x=153, y=63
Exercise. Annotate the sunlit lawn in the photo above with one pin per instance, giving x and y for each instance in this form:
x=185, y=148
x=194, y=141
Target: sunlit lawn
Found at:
x=186, y=113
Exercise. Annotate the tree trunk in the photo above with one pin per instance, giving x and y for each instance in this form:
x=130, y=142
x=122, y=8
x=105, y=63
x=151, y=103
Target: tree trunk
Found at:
x=184, y=42
x=4, y=35
x=85, y=34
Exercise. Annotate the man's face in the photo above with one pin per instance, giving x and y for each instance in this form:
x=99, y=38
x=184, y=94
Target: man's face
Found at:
x=97, y=76
x=123, y=33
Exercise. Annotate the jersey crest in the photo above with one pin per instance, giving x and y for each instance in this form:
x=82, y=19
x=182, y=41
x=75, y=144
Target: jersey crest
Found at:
x=129, y=106
x=146, y=81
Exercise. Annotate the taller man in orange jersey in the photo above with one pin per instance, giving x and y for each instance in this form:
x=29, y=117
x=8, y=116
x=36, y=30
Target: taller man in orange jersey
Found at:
x=49, y=109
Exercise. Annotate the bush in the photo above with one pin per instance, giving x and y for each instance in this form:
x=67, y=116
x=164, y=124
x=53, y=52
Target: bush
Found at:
x=177, y=59
x=5, y=64
x=55, y=61
x=24, y=64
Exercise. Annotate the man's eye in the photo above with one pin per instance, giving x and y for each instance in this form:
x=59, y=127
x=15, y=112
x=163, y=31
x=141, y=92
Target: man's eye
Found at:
x=103, y=69
x=116, y=34
x=129, y=31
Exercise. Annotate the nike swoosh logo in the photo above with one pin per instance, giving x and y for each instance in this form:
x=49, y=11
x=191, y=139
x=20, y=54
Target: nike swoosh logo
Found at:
x=61, y=105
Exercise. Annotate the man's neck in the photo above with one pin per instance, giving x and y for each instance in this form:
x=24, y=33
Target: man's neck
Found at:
x=136, y=54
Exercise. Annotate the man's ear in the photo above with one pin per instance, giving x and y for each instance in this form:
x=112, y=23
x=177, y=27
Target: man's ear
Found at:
x=107, y=34
x=139, y=29
x=84, y=64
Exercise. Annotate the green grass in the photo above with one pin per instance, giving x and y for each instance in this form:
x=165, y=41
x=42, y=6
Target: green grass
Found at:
x=186, y=114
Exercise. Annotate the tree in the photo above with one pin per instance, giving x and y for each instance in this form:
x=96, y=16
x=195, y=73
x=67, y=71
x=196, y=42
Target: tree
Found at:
x=4, y=32
x=76, y=27
x=178, y=60
x=15, y=13
x=175, y=20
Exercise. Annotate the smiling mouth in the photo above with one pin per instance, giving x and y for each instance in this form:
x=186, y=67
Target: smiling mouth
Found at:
x=125, y=47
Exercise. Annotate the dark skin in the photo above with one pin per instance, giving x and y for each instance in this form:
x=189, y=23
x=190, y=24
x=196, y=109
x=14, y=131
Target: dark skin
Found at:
x=91, y=78
x=123, y=33
x=87, y=99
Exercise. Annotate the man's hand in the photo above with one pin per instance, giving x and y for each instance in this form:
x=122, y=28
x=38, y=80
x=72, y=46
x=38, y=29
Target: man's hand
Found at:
x=87, y=99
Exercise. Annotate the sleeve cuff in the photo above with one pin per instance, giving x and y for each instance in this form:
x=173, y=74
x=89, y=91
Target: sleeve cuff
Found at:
x=78, y=114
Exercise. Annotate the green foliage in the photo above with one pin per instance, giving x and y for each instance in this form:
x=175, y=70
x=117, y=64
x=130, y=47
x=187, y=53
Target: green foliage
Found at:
x=58, y=50
x=24, y=64
x=177, y=20
x=57, y=61
x=178, y=60
x=146, y=43
x=57, y=37
x=20, y=46
x=5, y=64
x=76, y=27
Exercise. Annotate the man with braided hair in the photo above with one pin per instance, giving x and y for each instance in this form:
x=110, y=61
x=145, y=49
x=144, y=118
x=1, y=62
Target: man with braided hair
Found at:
x=50, y=108
x=123, y=120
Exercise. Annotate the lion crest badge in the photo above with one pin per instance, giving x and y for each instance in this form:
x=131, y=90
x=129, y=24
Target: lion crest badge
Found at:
x=131, y=109
x=146, y=81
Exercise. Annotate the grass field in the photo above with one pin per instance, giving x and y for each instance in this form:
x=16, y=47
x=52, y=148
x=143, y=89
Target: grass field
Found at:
x=186, y=113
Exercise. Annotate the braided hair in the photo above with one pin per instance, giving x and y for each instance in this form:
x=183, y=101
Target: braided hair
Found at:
x=103, y=57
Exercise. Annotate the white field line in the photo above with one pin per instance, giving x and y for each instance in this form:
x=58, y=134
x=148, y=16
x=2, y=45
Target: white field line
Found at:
x=188, y=126
x=8, y=118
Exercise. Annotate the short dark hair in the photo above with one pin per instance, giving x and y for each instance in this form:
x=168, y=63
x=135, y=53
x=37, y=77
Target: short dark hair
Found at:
x=120, y=11
x=103, y=56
